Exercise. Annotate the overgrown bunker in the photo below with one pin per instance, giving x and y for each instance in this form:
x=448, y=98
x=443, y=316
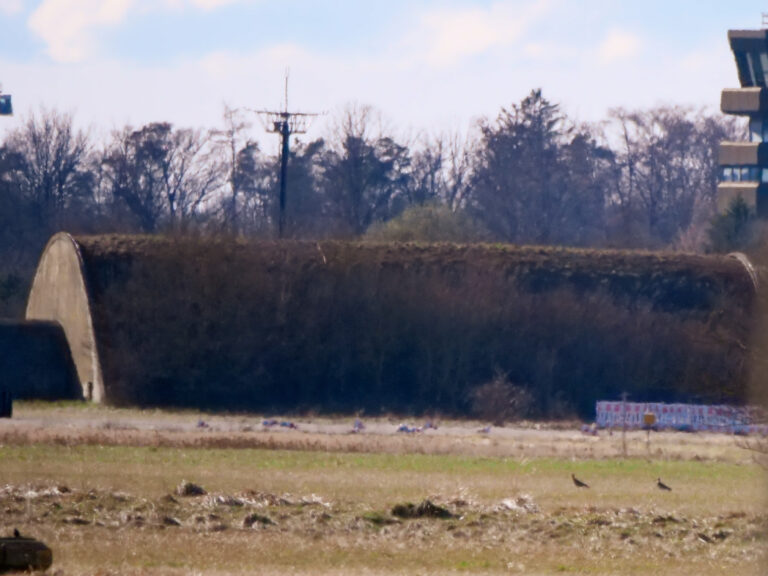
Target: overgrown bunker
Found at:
x=342, y=325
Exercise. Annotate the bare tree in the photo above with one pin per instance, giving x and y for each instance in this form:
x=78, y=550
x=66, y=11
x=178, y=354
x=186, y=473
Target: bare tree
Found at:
x=51, y=168
x=162, y=174
x=239, y=159
x=440, y=170
x=666, y=162
x=365, y=171
x=458, y=152
x=427, y=180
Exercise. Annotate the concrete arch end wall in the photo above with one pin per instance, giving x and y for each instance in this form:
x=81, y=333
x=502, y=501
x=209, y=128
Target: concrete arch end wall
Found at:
x=60, y=294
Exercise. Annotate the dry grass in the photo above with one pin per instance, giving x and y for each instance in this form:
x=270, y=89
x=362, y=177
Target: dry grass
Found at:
x=83, y=424
x=331, y=510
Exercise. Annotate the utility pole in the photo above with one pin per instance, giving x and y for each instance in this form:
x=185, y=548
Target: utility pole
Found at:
x=285, y=124
x=624, y=396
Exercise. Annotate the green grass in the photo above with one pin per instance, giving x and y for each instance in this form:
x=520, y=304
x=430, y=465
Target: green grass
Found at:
x=406, y=475
x=308, y=461
x=618, y=527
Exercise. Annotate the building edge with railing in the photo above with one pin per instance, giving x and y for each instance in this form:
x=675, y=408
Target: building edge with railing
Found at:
x=744, y=165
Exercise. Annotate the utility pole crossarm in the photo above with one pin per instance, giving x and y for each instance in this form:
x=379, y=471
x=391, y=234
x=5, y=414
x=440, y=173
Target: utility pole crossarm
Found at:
x=297, y=122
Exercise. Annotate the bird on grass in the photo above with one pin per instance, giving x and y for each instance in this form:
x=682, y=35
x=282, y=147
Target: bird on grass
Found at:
x=662, y=486
x=579, y=483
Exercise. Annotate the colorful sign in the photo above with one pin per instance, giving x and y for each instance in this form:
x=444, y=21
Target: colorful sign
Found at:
x=687, y=417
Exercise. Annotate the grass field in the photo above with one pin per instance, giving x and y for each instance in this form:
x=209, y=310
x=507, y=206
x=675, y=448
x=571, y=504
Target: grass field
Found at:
x=111, y=508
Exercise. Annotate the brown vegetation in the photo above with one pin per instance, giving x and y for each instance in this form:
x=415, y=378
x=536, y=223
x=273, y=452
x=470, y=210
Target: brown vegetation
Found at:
x=407, y=328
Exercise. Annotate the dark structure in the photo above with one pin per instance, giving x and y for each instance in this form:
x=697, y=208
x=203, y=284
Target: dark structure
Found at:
x=6, y=105
x=6, y=403
x=20, y=554
x=744, y=165
x=35, y=362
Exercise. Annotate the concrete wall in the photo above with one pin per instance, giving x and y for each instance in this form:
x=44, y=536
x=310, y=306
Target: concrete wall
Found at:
x=60, y=294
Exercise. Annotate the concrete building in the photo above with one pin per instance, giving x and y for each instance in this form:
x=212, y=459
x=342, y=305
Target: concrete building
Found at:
x=744, y=165
x=59, y=294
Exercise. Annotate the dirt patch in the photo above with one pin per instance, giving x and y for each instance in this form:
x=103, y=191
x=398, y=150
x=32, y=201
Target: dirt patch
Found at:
x=424, y=510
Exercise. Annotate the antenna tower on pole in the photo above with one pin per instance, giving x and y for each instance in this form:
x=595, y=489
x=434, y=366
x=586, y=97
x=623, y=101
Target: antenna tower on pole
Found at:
x=285, y=124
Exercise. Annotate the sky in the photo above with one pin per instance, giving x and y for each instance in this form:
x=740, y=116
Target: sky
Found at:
x=427, y=66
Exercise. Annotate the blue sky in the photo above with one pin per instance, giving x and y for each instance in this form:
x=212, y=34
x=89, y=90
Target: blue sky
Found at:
x=426, y=65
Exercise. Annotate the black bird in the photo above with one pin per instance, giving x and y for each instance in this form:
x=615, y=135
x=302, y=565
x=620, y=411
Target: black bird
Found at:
x=662, y=486
x=579, y=483
x=16, y=533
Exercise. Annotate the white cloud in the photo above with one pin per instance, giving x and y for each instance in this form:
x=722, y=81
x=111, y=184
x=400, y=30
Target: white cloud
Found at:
x=409, y=81
x=213, y=4
x=206, y=5
x=69, y=26
x=447, y=36
x=619, y=45
x=11, y=6
x=549, y=51
x=414, y=98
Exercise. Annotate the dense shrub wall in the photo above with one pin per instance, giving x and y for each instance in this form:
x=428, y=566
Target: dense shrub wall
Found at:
x=341, y=326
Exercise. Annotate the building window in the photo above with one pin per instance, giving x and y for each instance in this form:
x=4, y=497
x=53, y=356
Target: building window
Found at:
x=743, y=174
x=751, y=70
x=757, y=131
x=745, y=69
x=757, y=68
x=764, y=65
x=753, y=67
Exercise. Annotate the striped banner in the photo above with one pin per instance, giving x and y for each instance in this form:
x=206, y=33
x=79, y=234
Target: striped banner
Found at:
x=684, y=417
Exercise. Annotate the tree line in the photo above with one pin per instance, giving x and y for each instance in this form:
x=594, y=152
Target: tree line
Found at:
x=532, y=175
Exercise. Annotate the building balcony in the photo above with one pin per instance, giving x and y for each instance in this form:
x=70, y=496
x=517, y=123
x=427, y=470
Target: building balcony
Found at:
x=727, y=192
x=743, y=154
x=744, y=101
x=748, y=39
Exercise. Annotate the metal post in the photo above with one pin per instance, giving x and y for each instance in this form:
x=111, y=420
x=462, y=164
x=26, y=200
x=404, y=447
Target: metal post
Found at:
x=285, y=134
x=624, y=424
